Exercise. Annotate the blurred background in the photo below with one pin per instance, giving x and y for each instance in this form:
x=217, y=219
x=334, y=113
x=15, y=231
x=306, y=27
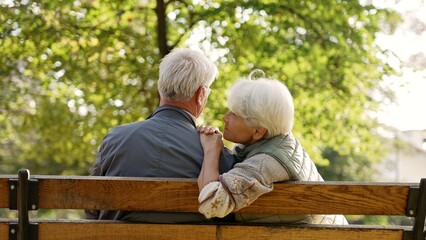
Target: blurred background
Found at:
x=72, y=70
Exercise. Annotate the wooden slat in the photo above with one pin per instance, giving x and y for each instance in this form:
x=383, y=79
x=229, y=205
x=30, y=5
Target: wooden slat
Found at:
x=99, y=230
x=336, y=197
x=112, y=231
x=181, y=196
x=107, y=193
x=308, y=233
x=4, y=192
x=4, y=230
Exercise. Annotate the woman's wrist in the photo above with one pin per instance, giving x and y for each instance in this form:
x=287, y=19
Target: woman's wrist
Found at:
x=211, y=155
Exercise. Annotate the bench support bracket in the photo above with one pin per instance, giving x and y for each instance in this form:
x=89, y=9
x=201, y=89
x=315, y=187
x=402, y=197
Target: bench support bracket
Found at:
x=14, y=231
x=23, y=197
x=31, y=195
x=419, y=232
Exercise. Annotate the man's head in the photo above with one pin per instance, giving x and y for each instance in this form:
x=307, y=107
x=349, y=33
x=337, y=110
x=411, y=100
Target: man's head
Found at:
x=183, y=72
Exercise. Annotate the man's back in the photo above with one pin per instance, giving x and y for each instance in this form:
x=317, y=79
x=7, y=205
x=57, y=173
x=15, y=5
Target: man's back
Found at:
x=165, y=145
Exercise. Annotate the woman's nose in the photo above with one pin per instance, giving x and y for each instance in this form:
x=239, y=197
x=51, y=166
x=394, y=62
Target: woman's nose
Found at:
x=225, y=117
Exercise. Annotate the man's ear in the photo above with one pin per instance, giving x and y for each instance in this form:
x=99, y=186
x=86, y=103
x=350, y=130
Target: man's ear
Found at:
x=259, y=133
x=199, y=95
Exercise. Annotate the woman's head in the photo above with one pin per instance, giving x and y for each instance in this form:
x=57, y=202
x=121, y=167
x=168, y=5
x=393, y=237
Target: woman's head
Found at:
x=262, y=103
x=182, y=72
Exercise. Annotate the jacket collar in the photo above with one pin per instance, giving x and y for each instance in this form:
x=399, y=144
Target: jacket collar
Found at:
x=166, y=109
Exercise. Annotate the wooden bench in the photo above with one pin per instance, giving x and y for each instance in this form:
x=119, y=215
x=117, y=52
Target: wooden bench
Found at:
x=180, y=195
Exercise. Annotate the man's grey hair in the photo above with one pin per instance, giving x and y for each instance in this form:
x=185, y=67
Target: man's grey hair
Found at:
x=263, y=102
x=182, y=72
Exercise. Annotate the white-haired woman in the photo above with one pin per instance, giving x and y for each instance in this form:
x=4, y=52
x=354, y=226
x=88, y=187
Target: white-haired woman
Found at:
x=260, y=120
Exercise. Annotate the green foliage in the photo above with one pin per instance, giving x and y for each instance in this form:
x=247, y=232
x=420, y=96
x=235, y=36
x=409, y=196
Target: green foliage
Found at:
x=380, y=220
x=72, y=70
x=346, y=167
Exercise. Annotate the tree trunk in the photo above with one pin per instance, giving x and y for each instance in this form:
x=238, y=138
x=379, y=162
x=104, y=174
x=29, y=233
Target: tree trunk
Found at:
x=161, y=28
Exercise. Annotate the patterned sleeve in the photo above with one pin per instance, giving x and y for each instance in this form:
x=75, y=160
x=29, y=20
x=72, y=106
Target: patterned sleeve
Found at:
x=241, y=186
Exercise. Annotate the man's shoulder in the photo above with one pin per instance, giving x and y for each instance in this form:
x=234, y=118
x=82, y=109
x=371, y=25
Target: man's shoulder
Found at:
x=128, y=125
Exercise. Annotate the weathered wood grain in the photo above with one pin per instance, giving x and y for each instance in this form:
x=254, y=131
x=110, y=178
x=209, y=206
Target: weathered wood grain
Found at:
x=181, y=196
x=4, y=192
x=311, y=232
x=4, y=230
x=104, y=230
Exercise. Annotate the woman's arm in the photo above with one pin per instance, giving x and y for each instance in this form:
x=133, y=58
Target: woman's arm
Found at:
x=240, y=186
x=211, y=140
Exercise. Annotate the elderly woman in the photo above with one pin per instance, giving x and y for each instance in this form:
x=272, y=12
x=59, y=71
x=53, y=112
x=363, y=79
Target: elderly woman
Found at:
x=260, y=121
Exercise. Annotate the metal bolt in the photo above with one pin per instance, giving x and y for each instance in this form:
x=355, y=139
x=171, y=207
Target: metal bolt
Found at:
x=33, y=206
x=12, y=231
x=12, y=187
x=411, y=212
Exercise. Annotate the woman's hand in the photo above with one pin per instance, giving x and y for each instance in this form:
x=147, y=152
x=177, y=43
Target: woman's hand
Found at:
x=211, y=138
x=208, y=130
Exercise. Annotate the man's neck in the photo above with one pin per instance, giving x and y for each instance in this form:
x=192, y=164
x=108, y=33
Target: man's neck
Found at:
x=187, y=106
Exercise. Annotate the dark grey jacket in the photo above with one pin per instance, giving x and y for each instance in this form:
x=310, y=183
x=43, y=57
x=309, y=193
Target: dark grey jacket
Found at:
x=166, y=145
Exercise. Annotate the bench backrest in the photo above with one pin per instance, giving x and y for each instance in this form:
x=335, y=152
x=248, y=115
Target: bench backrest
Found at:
x=180, y=195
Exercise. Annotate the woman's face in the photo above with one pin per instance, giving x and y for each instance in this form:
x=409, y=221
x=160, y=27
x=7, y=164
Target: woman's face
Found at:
x=236, y=130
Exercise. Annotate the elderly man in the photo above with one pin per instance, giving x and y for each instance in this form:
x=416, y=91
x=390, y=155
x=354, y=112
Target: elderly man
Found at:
x=167, y=143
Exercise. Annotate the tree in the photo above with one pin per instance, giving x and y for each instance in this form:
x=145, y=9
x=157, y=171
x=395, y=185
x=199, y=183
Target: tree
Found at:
x=72, y=70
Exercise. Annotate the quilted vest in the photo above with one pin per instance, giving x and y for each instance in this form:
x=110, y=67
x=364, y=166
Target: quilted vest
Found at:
x=289, y=153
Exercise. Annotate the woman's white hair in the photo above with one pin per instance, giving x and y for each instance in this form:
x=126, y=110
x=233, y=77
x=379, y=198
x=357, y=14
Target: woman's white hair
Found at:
x=263, y=102
x=182, y=72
